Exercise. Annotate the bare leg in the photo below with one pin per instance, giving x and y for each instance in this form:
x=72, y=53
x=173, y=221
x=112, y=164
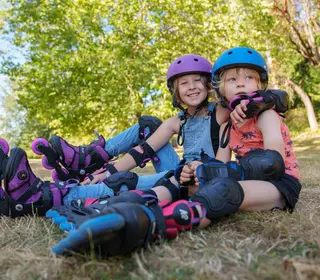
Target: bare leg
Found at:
x=260, y=196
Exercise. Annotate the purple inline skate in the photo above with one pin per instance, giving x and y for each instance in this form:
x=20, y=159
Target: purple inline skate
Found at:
x=24, y=193
x=71, y=162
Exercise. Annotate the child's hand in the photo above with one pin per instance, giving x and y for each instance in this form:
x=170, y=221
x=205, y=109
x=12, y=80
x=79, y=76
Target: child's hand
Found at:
x=194, y=164
x=186, y=174
x=95, y=178
x=238, y=114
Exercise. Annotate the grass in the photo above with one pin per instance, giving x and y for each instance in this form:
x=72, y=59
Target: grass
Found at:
x=272, y=245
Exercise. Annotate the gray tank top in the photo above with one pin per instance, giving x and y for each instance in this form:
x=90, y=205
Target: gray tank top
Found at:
x=197, y=137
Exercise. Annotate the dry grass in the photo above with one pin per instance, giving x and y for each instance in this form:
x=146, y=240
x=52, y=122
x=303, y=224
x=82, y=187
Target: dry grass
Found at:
x=274, y=245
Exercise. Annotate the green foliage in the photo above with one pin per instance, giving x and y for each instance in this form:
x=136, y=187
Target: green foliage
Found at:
x=101, y=64
x=297, y=121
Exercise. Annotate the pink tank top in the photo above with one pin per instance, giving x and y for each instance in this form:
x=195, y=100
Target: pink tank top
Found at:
x=248, y=138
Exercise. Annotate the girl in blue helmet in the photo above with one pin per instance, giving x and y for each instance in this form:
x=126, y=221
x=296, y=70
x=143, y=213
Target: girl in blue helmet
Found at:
x=261, y=143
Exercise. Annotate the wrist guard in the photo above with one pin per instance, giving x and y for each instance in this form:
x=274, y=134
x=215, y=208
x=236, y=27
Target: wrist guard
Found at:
x=260, y=101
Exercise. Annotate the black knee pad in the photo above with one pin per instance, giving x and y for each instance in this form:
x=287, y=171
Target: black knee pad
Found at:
x=220, y=196
x=148, y=121
x=165, y=181
x=146, y=155
x=118, y=179
x=262, y=165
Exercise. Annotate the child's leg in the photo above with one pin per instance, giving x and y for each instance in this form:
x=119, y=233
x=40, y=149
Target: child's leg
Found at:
x=124, y=141
x=260, y=196
x=88, y=191
x=105, y=189
x=169, y=159
x=72, y=162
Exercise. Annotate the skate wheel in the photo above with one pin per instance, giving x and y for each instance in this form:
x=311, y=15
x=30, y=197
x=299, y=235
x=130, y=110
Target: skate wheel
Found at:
x=38, y=144
x=56, y=178
x=45, y=164
x=4, y=146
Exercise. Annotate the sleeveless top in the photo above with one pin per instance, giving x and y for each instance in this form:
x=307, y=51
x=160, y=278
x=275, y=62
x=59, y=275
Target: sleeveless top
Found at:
x=248, y=138
x=197, y=136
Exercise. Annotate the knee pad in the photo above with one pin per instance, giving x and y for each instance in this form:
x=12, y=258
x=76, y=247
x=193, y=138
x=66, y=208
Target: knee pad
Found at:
x=172, y=188
x=152, y=123
x=147, y=154
x=262, y=165
x=219, y=197
x=117, y=180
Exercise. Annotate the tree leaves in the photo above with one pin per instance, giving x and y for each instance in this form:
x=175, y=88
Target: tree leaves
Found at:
x=101, y=64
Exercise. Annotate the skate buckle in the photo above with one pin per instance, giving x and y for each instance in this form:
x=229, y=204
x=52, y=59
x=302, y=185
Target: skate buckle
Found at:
x=19, y=207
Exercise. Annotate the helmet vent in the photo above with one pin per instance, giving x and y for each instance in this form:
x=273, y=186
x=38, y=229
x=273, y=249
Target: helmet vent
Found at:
x=250, y=52
x=196, y=59
x=179, y=62
x=229, y=52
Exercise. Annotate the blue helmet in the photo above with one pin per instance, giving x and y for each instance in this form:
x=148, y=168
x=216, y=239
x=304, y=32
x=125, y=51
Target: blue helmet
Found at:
x=240, y=57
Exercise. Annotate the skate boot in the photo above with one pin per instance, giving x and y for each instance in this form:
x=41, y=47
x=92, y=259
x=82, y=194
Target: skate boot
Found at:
x=122, y=224
x=4, y=150
x=25, y=193
x=71, y=162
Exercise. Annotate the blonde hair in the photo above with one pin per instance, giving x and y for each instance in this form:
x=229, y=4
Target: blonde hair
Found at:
x=222, y=77
x=206, y=81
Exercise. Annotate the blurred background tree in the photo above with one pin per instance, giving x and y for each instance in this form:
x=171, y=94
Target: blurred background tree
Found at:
x=100, y=64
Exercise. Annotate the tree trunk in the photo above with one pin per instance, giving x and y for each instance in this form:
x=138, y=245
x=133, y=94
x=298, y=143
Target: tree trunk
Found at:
x=307, y=103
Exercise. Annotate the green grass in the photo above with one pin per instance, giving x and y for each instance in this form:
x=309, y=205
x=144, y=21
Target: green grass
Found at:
x=271, y=245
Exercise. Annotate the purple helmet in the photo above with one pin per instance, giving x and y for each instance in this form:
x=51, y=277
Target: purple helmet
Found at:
x=188, y=64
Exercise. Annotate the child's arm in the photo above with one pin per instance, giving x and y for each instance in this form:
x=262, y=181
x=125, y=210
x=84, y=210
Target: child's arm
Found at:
x=156, y=141
x=251, y=105
x=223, y=154
x=269, y=124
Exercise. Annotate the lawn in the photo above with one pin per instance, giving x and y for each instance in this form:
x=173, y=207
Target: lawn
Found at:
x=271, y=245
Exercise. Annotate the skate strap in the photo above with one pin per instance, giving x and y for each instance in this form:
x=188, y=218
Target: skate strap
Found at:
x=43, y=204
x=46, y=196
x=196, y=216
x=33, y=189
x=82, y=157
x=157, y=221
x=13, y=208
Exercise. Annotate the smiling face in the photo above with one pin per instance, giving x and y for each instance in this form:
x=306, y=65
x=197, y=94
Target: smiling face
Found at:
x=191, y=90
x=239, y=81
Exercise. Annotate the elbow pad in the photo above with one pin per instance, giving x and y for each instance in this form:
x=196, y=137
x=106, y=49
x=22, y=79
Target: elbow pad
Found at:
x=147, y=154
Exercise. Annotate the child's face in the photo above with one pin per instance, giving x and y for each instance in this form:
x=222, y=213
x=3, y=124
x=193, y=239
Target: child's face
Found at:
x=239, y=81
x=192, y=90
